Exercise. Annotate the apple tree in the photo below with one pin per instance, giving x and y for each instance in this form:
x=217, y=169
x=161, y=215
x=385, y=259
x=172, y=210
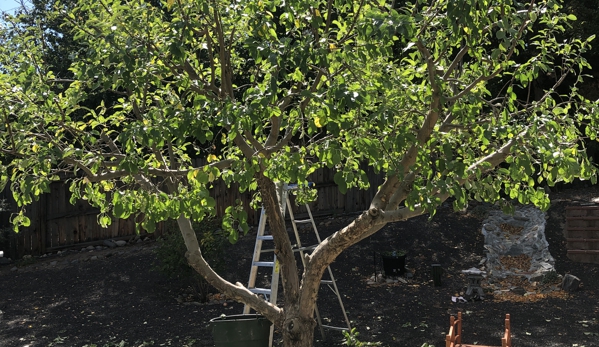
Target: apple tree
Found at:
x=437, y=95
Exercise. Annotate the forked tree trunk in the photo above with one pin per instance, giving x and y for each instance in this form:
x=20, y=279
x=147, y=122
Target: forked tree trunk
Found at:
x=298, y=325
x=298, y=331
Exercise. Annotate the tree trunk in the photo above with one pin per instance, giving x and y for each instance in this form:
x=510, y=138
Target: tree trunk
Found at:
x=298, y=331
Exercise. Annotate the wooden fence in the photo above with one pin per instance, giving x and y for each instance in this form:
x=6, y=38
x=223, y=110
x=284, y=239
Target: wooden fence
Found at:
x=582, y=233
x=56, y=224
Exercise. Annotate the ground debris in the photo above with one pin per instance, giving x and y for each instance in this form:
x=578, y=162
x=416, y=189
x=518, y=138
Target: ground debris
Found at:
x=518, y=262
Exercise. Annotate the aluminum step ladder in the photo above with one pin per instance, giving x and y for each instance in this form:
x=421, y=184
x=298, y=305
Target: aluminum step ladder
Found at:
x=270, y=294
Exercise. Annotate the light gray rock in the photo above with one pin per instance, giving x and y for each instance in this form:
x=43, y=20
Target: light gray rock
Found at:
x=489, y=227
x=518, y=290
x=14, y=268
x=53, y=263
x=90, y=248
x=121, y=243
x=109, y=243
x=99, y=248
x=520, y=216
x=95, y=257
x=570, y=283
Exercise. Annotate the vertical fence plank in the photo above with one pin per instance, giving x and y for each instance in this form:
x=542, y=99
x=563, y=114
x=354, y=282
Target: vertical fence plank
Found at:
x=34, y=228
x=43, y=222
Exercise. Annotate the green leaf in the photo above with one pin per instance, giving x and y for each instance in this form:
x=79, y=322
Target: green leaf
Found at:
x=149, y=225
x=340, y=181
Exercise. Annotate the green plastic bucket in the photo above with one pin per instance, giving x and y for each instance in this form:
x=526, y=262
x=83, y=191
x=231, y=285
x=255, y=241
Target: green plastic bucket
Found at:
x=242, y=330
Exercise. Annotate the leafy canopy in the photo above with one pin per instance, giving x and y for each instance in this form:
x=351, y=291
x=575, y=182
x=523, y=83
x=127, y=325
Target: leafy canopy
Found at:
x=438, y=95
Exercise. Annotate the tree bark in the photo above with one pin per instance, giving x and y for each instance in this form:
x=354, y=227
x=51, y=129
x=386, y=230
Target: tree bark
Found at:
x=298, y=331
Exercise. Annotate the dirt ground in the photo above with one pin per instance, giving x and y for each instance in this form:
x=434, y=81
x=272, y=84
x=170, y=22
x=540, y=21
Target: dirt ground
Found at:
x=117, y=297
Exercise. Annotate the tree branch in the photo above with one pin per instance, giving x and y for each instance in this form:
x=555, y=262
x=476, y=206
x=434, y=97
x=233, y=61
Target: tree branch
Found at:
x=235, y=291
x=390, y=185
x=455, y=62
x=283, y=250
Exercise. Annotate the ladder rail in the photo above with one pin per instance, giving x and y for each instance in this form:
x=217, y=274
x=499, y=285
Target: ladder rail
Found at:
x=334, y=284
x=257, y=251
x=302, y=256
x=336, y=290
x=256, y=263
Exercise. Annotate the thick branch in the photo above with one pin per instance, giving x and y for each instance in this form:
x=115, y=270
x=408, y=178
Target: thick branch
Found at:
x=486, y=163
x=455, y=62
x=235, y=291
x=283, y=250
x=252, y=140
x=275, y=125
x=499, y=69
x=390, y=185
x=402, y=191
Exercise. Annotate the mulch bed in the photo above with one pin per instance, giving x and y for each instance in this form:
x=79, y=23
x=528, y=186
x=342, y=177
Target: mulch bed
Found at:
x=120, y=298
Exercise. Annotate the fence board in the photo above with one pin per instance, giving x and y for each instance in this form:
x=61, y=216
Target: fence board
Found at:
x=582, y=233
x=56, y=224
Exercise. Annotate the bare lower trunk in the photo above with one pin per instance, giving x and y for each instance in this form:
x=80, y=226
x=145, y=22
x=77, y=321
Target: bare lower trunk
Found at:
x=298, y=331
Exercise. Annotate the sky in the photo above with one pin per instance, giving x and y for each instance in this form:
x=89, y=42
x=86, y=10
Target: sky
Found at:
x=8, y=5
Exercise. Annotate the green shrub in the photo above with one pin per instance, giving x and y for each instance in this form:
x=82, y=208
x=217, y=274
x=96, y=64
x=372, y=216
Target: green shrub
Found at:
x=171, y=254
x=350, y=338
x=550, y=278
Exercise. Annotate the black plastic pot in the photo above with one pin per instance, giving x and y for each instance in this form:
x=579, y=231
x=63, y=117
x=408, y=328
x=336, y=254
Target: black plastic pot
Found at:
x=242, y=330
x=436, y=272
x=394, y=265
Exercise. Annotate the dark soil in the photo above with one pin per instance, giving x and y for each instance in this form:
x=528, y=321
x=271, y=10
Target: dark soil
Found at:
x=117, y=297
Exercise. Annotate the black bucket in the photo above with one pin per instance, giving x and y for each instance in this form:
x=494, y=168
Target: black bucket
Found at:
x=394, y=265
x=242, y=330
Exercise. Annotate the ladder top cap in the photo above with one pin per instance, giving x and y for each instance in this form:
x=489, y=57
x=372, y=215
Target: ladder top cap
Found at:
x=293, y=186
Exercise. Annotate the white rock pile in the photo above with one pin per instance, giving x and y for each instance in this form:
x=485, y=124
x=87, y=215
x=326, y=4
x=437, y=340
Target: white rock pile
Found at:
x=515, y=235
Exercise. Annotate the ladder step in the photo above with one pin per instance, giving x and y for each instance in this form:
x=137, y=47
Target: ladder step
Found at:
x=334, y=328
x=264, y=263
x=268, y=250
x=265, y=237
x=326, y=281
x=302, y=221
x=263, y=291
